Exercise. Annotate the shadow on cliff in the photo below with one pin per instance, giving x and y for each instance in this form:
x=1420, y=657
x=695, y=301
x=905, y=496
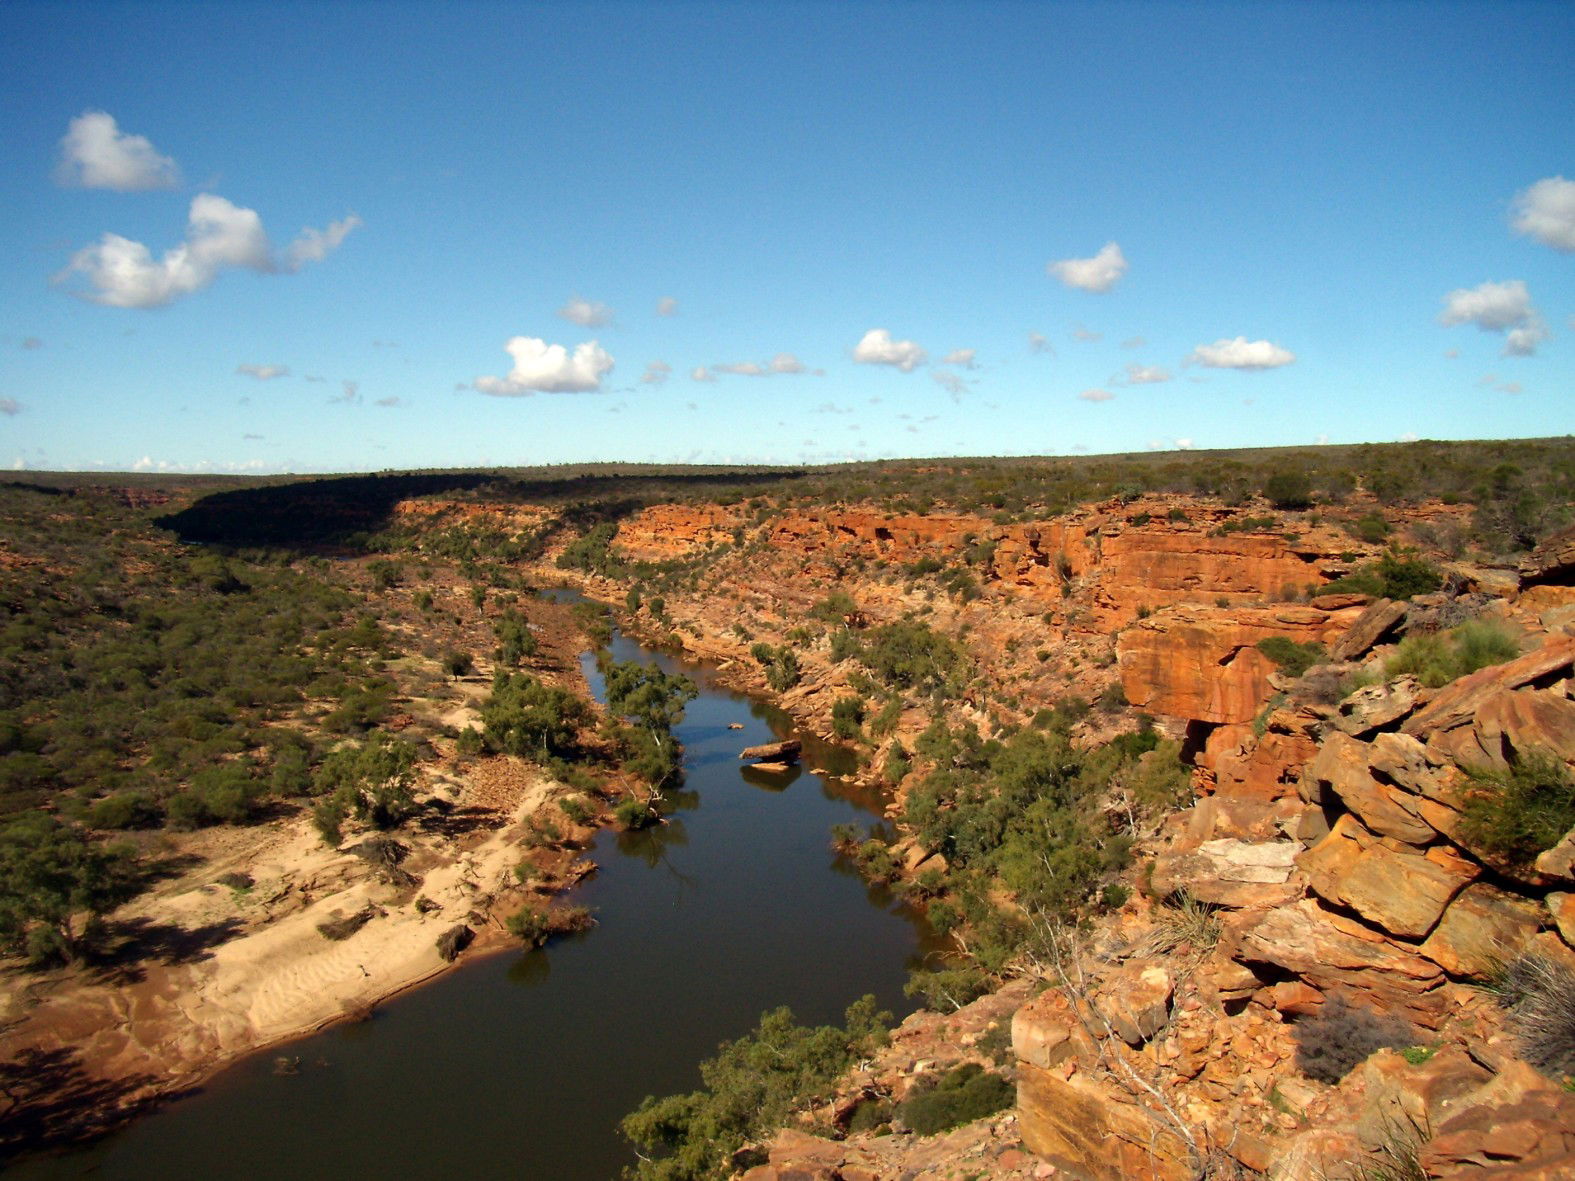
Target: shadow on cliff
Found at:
x=337, y=512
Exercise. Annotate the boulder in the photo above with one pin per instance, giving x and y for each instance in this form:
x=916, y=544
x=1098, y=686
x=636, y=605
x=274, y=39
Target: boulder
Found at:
x=1398, y=1095
x=1046, y=1031
x=1343, y=771
x=1390, y=885
x=1377, y=706
x=1333, y=953
x=1516, y=723
x=1320, y=1154
x=1379, y=619
x=1481, y=930
x=1562, y=907
x=1266, y=768
x=1227, y=872
x=1093, y=1130
x=1457, y=703
x=1517, y=1125
x=1136, y=1000
x=774, y=752
x=1553, y=561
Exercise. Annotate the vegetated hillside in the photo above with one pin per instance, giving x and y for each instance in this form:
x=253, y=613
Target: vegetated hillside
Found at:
x=217, y=764
x=1098, y=691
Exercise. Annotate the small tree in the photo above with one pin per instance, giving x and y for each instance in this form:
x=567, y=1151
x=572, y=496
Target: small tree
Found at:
x=516, y=642
x=371, y=782
x=654, y=702
x=1288, y=490
x=527, y=718
x=49, y=875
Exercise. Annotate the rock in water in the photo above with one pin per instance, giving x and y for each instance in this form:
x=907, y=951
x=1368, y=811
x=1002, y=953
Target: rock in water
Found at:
x=774, y=752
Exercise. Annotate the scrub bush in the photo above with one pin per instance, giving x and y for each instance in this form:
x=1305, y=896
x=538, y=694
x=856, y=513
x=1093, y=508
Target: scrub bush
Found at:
x=1339, y=1039
x=960, y=1096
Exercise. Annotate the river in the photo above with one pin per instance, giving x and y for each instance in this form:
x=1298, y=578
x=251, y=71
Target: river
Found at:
x=520, y=1064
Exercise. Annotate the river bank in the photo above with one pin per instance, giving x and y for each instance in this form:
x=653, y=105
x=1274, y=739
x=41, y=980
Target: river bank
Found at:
x=735, y=905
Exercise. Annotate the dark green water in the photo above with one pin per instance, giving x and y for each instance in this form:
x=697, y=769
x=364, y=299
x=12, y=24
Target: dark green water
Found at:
x=520, y=1065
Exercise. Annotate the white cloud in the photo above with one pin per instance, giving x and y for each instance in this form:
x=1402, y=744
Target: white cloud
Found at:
x=962, y=358
x=1096, y=395
x=950, y=382
x=96, y=154
x=701, y=373
x=32, y=342
x=219, y=234
x=1546, y=212
x=1039, y=343
x=667, y=306
x=878, y=348
x=1136, y=374
x=1080, y=332
x=1097, y=274
x=788, y=364
x=315, y=245
x=1492, y=307
x=549, y=369
x=1242, y=353
x=389, y=403
x=1498, y=307
x=1523, y=341
x=656, y=373
x=1133, y=342
x=586, y=313
x=10, y=407
x=148, y=464
x=263, y=372
x=741, y=369
x=1184, y=444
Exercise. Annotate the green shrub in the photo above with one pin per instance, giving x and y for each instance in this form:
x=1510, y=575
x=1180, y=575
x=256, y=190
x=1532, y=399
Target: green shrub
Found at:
x=534, y=925
x=751, y=1088
x=1288, y=490
x=780, y=665
x=1289, y=656
x=910, y=655
x=1438, y=658
x=1393, y=576
x=632, y=813
x=530, y=719
x=1372, y=528
x=960, y=1096
x=1518, y=812
x=847, y=717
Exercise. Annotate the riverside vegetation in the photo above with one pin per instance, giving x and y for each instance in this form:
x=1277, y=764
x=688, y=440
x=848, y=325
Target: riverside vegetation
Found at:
x=153, y=688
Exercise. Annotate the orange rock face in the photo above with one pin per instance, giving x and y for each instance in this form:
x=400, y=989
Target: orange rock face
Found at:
x=1159, y=566
x=1201, y=663
x=667, y=531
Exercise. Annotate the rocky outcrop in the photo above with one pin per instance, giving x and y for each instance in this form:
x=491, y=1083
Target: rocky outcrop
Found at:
x=1551, y=563
x=1202, y=663
x=665, y=532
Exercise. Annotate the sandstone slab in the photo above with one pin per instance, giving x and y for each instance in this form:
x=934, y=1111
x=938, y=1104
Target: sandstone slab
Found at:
x=1336, y=954
x=1229, y=872
x=1481, y=930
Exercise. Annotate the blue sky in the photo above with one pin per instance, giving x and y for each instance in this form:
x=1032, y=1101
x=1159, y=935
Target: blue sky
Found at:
x=332, y=237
